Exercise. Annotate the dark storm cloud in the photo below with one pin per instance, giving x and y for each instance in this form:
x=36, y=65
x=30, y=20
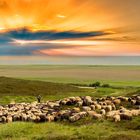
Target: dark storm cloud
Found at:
x=26, y=34
x=7, y=47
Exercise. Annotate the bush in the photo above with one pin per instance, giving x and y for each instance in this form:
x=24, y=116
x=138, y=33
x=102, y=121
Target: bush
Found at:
x=105, y=85
x=96, y=84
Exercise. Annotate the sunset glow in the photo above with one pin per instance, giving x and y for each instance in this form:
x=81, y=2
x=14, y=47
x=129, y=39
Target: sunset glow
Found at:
x=70, y=27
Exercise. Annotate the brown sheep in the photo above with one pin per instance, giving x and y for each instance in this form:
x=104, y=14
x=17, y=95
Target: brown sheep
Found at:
x=126, y=116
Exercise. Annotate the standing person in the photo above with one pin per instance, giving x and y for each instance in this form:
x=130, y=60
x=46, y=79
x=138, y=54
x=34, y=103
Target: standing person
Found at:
x=39, y=98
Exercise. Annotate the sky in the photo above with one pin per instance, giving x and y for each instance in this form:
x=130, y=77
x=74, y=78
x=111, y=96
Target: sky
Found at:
x=69, y=28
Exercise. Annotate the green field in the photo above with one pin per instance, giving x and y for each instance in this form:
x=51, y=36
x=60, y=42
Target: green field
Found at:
x=115, y=75
x=20, y=90
x=57, y=82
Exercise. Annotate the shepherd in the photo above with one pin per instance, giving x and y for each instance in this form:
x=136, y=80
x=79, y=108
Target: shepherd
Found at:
x=39, y=98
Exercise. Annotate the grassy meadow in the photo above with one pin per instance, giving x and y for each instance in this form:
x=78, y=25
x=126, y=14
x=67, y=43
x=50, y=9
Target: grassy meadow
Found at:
x=24, y=83
x=115, y=75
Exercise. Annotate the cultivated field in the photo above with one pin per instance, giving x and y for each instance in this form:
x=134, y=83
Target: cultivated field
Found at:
x=56, y=82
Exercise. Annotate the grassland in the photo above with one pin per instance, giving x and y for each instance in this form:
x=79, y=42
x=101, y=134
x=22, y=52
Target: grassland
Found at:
x=93, y=130
x=53, y=82
x=115, y=75
x=19, y=90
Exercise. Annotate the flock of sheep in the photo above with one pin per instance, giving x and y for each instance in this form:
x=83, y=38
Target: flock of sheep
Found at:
x=73, y=109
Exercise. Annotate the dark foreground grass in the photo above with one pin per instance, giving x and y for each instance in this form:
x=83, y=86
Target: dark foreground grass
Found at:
x=11, y=86
x=19, y=90
x=95, y=130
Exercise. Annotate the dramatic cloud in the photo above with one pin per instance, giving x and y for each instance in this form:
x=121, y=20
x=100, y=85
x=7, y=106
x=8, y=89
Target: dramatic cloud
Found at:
x=69, y=27
x=25, y=34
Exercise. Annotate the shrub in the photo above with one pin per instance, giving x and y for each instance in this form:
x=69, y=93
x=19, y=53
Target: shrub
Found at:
x=96, y=84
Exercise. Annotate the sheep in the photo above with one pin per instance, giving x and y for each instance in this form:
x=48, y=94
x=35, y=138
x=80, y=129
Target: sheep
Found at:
x=79, y=103
x=16, y=117
x=123, y=98
x=112, y=98
x=94, y=103
x=98, y=107
x=87, y=100
x=53, y=105
x=133, y=102
x=65, y=114
x=86, y=108
x=9, y=119
x=37, y=119
x=32, y=118
x=103, y=107
x=108, y=108
x=102, y=103
x=77, y=99
x=3, y=118
x=74, y=118
x=63, y=102
x=75, y=110
x=113, y=106
x=91, y=113
x=126, y=116
x=102, y=111
x=112, y=113
x=97, y=116
x=117, y=101
x=92, y=107
x=138, y=98
x=137, y=102
x=135, y=112
x=1, y=113
x=117, y=118
x=83, y=114
x=1, y=107
x=108, y=102
x=24, y=117
x=51, y=110
x=123, y=110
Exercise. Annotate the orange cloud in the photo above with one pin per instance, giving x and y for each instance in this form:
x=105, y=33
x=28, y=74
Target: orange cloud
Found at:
x=119, y=18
